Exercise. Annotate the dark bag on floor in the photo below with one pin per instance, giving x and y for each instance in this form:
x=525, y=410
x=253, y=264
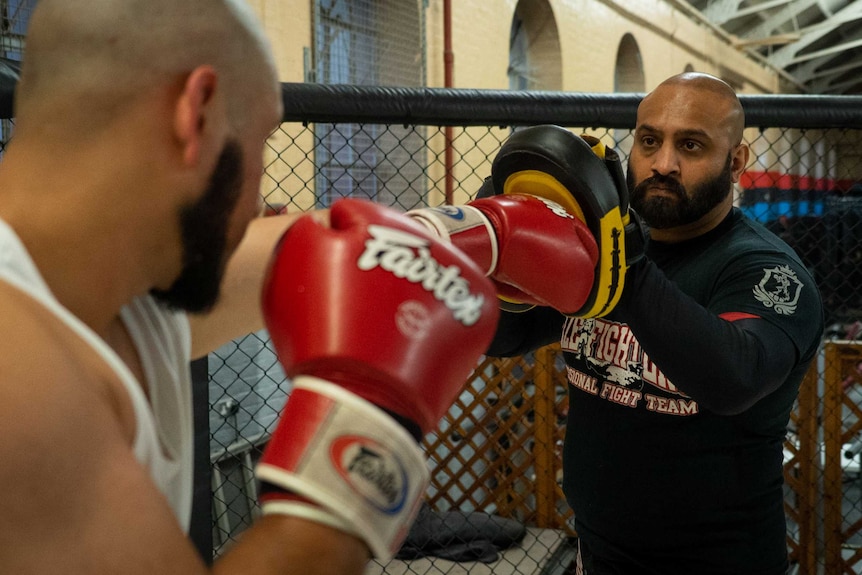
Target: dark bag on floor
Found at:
x=460, y=536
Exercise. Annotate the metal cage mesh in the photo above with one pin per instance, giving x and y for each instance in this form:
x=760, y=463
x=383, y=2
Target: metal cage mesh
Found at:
x=497, y=452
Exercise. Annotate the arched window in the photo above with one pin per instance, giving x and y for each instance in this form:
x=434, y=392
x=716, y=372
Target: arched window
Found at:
x=535, y=62
x=629, y=71
x=370, y=43
x=628, y=77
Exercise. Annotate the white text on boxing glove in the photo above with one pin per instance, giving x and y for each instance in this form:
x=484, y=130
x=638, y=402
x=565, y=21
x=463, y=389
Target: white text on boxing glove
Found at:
x=407, y=256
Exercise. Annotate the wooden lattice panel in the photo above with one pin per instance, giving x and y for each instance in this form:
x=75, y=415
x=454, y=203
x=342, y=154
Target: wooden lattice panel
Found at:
x=842, y=422
x=498, y=448
x=801, y=472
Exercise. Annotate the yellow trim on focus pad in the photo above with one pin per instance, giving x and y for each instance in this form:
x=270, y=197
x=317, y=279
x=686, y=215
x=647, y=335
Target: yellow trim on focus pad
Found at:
x=543, y=185
x=599, y=149
x=595, y=144
x=611, y=270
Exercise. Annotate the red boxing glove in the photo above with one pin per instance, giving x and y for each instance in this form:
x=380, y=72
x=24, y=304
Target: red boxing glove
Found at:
x=535, y=251
x=371, y=313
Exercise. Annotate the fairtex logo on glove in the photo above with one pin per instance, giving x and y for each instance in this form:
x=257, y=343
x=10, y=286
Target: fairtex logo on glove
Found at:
x=408, y=256
x=372, y=471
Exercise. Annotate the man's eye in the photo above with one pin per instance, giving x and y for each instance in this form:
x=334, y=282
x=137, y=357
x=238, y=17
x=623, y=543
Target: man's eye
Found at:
x=691, y=146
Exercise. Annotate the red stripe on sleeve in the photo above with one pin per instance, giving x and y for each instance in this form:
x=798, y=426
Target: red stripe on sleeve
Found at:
x=737, y=315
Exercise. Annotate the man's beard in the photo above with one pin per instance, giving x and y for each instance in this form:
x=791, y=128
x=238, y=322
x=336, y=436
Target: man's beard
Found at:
x=204, y=227
x=662, y=212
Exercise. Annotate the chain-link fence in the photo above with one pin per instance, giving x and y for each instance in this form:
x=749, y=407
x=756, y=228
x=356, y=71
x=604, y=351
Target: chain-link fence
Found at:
x=496, y=455
x=495, y=503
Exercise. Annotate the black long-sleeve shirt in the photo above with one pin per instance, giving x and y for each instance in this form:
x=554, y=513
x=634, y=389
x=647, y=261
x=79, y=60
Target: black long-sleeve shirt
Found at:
x=679, y=401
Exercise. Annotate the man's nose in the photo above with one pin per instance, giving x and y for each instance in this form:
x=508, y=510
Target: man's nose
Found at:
x=666, y=161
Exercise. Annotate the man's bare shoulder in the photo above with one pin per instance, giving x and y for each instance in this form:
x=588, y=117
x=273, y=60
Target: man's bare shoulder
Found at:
x=47, y=366
x=65, y=451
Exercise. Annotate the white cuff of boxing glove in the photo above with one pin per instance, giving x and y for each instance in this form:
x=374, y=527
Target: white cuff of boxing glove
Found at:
x=352, y=459
x=465, y=221
x=305, y=510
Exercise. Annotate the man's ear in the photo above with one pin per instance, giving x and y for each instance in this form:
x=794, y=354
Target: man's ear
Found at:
x=195, y=112
x=739, y=161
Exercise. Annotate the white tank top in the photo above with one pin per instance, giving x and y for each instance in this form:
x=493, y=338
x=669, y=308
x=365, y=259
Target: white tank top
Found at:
x=164, y=430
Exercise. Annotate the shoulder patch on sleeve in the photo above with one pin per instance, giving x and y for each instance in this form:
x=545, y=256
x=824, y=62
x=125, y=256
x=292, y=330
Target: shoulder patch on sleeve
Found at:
x=779, y=289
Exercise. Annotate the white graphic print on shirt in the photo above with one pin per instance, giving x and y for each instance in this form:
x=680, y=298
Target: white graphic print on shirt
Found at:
x=612, y=366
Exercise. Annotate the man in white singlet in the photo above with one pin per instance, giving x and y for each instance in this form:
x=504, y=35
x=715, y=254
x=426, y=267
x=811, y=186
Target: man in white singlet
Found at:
x=132, y=177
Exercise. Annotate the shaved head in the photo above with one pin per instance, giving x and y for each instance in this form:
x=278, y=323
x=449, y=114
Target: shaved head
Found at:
x=155, y=108
x=687, y=154
x=90, y=58
x=728, y=109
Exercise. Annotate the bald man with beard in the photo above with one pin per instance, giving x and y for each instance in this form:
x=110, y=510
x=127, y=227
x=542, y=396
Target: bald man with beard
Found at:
x=130, y=243
x=677, y=469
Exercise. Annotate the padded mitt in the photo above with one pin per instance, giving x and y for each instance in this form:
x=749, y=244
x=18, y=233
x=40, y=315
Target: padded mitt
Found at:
x=586, y=178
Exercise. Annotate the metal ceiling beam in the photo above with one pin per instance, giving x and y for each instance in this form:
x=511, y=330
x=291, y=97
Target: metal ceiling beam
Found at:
x=827, y=84
x=761, y=8
x=841, y=88
x=784, y=57
x=822, y=67
x=809, y=72
x=780, y=19
x=831, y=50
x=780, y=32
x=697, y=16
x=721, y=11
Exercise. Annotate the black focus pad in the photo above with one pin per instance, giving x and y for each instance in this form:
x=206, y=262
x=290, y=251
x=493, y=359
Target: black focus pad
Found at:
x=569, y=159
x=583, y=177
x=486, y=190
